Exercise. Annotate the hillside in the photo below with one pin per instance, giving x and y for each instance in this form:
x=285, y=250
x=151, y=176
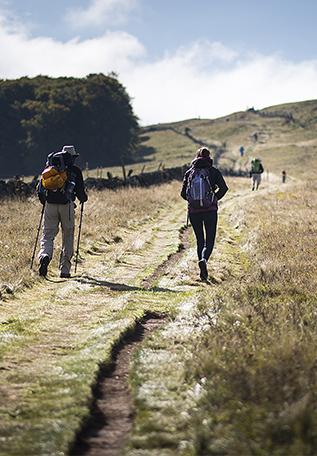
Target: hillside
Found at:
x=281, y=140
x=285, y=134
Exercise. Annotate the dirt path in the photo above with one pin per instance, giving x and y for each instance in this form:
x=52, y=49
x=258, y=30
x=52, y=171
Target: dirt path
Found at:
x=56, y=336
x=111, y=418
x=107, y=430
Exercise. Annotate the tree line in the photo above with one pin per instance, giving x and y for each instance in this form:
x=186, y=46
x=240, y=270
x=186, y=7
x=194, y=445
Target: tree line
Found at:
x=39, y=115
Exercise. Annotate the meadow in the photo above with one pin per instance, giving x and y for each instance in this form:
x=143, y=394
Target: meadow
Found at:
x=258, y=357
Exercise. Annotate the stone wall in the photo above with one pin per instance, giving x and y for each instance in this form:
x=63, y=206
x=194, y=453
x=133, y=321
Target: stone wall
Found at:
x=18, y=188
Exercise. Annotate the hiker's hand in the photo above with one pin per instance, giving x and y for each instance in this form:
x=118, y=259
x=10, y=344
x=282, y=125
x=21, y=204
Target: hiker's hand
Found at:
x=83, y=199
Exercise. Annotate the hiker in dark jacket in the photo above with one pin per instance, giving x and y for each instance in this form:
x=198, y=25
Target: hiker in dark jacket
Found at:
x=60, y=209
x=203, y=187
x=255, y=173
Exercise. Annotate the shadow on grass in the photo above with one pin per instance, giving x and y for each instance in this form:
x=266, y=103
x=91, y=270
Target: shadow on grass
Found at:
x=55, y=281
x=120, y=286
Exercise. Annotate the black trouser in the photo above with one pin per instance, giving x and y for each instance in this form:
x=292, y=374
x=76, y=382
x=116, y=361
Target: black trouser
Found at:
x=199, y=221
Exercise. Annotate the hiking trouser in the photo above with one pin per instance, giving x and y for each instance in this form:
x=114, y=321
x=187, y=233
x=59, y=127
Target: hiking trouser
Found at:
x=204, y=225
x=256, y=180
x=55, y=214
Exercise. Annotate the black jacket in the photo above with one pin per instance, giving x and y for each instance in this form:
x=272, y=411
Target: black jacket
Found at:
x=218, y=183
x=64, y=196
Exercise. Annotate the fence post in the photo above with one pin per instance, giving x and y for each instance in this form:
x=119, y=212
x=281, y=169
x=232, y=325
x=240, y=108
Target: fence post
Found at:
x=123, y=171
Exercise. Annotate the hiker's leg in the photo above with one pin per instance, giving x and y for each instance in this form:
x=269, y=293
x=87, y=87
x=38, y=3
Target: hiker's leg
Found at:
x=67, y=221
x=253, y=181
x=197, y=224
x=210, y=223
x=50, y=230
x=258, y=181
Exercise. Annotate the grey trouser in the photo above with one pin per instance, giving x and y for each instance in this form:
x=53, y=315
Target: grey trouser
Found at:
x=256, y=180
x=53, y=215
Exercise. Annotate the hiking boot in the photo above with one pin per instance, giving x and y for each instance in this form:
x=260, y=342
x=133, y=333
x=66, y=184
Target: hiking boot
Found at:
x=44, y=262
x=203, y=269
x=64, y=275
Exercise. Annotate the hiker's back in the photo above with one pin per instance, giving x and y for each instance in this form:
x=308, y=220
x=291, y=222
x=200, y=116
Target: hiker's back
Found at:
x=199, y=192
x=202, y=186
x=61, y=182
x=256, y=166
x=58, y=179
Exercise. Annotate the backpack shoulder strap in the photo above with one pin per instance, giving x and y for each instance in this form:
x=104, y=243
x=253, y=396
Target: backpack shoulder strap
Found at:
x=191, y=172
x=212, y=178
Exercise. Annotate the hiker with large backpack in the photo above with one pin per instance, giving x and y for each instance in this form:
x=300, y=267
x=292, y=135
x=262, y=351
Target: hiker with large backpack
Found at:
x=255, y=173
x=203, y=187
x=61, y=182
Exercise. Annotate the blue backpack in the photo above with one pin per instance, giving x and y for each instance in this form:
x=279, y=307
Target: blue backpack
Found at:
x=199, y=192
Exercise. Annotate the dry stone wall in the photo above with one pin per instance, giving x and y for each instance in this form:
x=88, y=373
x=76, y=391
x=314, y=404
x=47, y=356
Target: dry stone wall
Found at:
x=18, y=188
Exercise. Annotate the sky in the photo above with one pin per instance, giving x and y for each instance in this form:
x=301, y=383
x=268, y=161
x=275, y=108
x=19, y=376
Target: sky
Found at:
x=178, y=59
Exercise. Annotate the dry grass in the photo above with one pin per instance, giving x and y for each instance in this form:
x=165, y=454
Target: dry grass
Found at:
x=55, y=336
x=259, y=357
x=106, y=214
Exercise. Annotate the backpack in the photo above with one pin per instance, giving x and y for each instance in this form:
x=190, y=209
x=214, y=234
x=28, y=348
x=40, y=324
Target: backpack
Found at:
x=256, y=166
x=54, y=176
x=199, y=192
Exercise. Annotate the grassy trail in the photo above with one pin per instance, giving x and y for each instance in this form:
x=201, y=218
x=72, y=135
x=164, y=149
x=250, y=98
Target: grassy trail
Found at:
x=165, y=391
x=55, y=336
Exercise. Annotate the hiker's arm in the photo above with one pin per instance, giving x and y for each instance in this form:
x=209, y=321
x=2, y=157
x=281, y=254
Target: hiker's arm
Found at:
x=80, y=187
x=41, y=193
x=183, y=192
x=221, y=184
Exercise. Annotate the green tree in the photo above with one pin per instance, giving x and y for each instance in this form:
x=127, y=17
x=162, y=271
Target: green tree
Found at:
x=39, y=115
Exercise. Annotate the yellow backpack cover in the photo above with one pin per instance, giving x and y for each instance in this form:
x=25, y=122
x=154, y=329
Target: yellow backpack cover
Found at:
x=52, y=179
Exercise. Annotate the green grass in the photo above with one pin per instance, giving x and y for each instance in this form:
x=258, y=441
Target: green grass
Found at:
x=258, y=357
x=55, y=335
x=236, y=375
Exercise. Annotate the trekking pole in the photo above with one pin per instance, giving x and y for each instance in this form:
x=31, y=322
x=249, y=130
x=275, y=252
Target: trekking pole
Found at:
x=37, y=235
x=79, y=232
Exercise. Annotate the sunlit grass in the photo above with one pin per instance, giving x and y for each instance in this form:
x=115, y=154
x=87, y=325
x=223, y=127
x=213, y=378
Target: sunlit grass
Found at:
x=258, y=360
x=105, y=214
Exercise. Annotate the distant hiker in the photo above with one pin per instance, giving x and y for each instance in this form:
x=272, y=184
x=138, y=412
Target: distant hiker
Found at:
x=283, y=177
x=61, y=182
x=203, y=187
x=241, y=151
x=255, y=173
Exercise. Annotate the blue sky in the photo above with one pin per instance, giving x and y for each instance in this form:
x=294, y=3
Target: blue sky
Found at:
x=177, y=59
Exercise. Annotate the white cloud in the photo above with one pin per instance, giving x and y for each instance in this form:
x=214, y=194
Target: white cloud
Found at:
x=203, y=79
x=172, y=89
x=23, y=55
x=101, y=12
x=202, y=54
